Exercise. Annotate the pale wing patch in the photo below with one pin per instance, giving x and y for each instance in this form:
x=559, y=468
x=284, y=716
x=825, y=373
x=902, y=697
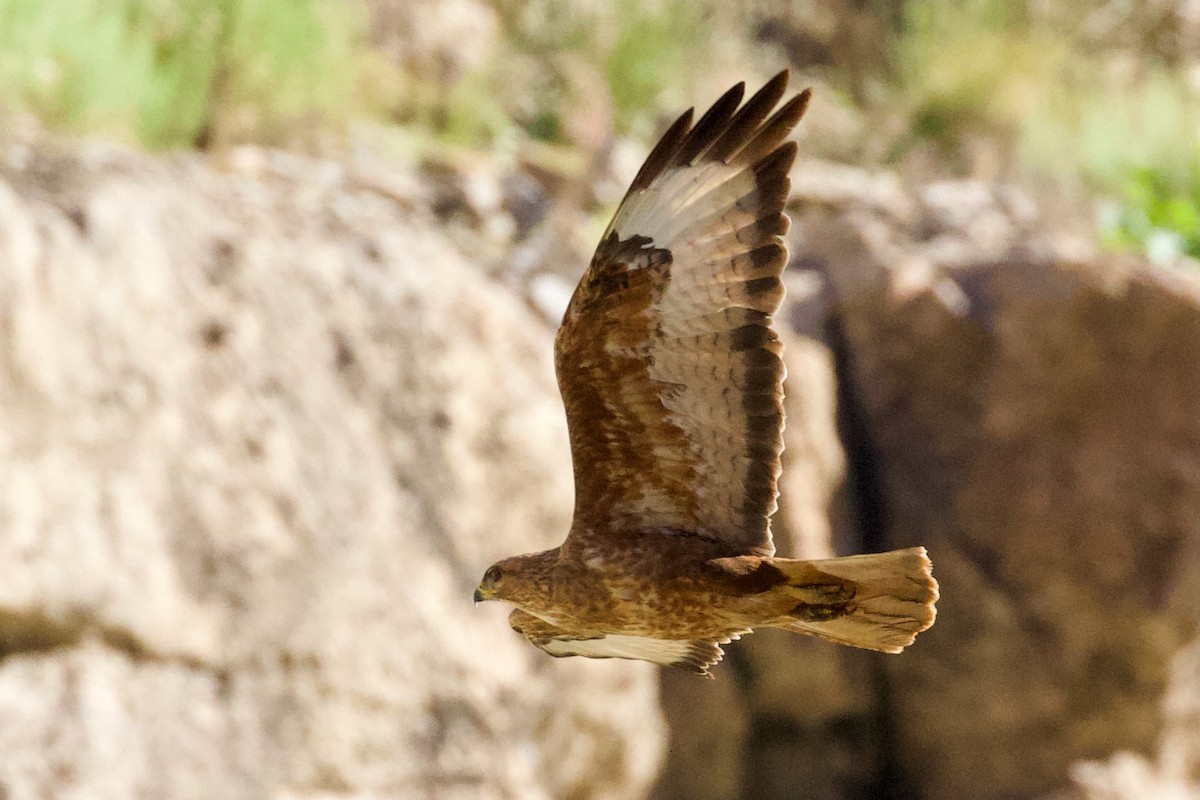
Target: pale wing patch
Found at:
x=724, y=282
x=674, y=201
x=695, y=656
x=667, y=361
x=658, y=651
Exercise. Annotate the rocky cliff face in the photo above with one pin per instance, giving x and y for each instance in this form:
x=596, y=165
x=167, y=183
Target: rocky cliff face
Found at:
x=261, y=429
x=1030, y=411
x=262, y=426
x=1036, y=421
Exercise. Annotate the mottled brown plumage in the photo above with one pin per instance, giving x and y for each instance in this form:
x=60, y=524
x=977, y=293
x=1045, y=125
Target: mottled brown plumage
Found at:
x=672, y=378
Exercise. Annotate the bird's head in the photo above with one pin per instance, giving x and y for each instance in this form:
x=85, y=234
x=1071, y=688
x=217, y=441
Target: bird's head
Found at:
x=492, y=585
x=516, y=580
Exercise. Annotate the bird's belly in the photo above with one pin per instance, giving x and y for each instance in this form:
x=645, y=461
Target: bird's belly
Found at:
x=644, y=608
x=654, y=586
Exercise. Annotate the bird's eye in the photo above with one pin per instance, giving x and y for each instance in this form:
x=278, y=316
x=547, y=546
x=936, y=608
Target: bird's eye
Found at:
x=492, y=575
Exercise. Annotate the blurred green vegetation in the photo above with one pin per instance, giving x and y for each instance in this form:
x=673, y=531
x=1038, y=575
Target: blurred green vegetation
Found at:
x=619, y=58
x=181, y=73
x=1066, y=93
x=970, y=70
x=1061, y=101
x=1158, y=213
x=1141, y=150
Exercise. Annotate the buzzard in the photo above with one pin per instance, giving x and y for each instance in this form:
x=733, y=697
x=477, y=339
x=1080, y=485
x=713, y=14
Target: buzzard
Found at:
x=670, y=371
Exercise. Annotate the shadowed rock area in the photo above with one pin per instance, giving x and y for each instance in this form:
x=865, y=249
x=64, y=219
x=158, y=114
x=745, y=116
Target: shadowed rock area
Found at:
x=1030, y=411
x=261, y=430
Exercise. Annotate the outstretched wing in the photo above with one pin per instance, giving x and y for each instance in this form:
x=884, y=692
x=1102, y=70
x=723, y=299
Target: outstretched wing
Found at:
x=692, y=655
x=666, y=359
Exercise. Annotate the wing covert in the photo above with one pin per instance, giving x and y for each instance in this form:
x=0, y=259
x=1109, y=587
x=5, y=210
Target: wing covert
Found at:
x=667, y=361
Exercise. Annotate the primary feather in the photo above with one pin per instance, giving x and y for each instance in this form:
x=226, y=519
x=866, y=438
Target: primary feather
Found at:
x=668, y=366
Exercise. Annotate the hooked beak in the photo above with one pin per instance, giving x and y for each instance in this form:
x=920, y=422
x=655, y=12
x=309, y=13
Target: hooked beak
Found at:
x=479, y=596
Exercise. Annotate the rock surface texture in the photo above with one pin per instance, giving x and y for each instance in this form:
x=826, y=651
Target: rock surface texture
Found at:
x=262, y=426
x=261, y=429
x=1028, y=410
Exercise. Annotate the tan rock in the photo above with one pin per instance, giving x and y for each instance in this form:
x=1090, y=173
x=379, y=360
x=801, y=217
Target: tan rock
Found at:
x=259, y=436
x=1036, y=423
x=1032, y=418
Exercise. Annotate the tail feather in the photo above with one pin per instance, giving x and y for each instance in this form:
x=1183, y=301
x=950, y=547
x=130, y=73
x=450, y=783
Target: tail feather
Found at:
x=892, y=598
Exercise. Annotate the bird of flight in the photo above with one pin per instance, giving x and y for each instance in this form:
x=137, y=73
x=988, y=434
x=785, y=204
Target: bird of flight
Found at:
x=671, y=373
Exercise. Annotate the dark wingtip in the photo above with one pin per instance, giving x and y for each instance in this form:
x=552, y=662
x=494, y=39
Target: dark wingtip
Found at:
x=664, y=152
x=743, y=126
x=805, y=98
x=711, y=125
x=776, y=129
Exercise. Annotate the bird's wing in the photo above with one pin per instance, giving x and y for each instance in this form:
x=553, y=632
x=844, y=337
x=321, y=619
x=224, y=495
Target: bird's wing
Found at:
x=667, y=362
x=692, y=655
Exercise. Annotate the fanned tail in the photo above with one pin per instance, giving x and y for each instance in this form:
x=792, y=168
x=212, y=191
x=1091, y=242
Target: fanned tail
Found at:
x=879, y=601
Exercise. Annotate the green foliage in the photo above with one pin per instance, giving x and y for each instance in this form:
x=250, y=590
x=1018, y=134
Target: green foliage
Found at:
x=558, y=51
x=474, y=113
x=1058, y=106
x=1157, y=213
x=652, y=48
x=1028, y=85
x=179, y=72
x=970, y=68
x=1140, y=146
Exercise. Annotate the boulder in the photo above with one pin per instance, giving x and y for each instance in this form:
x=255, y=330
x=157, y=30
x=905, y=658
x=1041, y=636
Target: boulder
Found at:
x=1029, y=410
x=1035, y=422
x=261, y=430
